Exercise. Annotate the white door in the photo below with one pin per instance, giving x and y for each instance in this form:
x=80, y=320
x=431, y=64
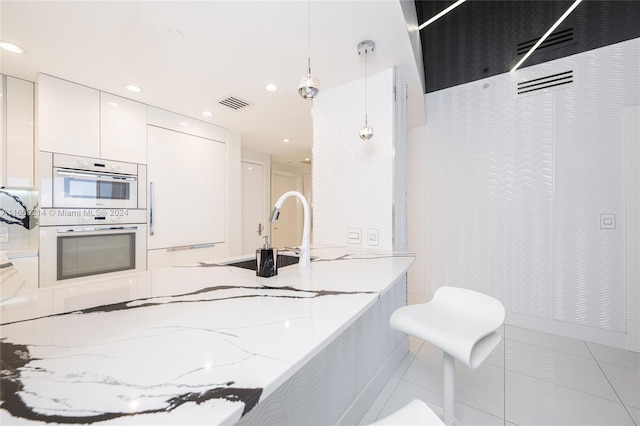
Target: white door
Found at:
x=254, y=217
x=287, y=231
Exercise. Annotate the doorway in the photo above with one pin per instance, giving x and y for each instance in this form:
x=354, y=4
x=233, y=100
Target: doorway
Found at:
x=287, y=231
x=254, y=215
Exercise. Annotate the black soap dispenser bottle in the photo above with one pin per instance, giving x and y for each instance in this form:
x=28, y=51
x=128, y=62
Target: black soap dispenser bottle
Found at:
x=266, y=260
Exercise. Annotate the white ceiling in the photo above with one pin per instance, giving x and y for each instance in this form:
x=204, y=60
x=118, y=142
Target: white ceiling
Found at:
x=227, y=48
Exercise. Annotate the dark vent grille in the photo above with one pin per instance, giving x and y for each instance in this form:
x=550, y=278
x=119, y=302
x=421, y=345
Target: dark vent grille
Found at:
x=234, y=102
x=555, y=40
x=551, y=81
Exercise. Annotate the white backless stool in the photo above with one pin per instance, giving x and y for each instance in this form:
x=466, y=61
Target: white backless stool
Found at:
x=463, y=324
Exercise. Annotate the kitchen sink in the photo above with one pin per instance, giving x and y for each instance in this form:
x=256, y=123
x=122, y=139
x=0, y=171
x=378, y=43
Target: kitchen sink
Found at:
x=282, y=261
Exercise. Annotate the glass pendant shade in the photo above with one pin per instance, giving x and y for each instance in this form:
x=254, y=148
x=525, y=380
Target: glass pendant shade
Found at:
x=366, y=132
x=309, y=86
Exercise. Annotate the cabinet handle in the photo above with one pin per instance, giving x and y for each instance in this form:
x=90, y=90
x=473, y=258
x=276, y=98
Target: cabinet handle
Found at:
x=193, y=247
x=151, y=228
x=259, y=229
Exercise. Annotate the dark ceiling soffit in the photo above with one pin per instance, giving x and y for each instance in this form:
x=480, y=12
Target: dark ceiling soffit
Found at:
x=482, y=38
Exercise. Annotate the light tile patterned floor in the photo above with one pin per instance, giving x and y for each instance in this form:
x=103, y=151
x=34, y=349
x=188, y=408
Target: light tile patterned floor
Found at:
x=532, y=378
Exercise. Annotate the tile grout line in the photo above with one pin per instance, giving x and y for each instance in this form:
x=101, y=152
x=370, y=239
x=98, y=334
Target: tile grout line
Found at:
x=526, y=342
x=386, y=401
x=610, y=384
x=400, y=380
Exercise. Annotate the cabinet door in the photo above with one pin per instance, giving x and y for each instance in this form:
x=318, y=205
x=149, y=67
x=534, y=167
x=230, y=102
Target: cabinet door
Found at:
x=68, y=117
x=188, y=201
x=123, y=129
x=19, y=124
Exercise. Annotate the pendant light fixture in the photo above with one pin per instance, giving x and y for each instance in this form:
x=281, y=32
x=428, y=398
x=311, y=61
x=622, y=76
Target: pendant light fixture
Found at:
x=309, y=85
x=366, y=47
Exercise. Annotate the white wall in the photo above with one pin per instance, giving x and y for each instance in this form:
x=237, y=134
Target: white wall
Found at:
x=353, y=180
x=506, y=193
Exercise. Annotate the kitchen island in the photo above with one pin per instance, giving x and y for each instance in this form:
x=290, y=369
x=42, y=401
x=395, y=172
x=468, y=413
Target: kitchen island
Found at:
x=206, y=344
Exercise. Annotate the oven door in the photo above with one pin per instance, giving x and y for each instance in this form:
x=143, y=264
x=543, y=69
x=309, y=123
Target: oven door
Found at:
x=87, y=189
x=74, y=253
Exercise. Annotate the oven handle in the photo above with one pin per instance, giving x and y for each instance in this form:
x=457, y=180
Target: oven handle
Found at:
x=97, y=229
x=96, y=176
x=151, y=227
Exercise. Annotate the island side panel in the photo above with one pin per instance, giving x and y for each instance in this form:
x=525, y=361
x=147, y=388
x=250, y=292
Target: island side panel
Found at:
x=342, y=381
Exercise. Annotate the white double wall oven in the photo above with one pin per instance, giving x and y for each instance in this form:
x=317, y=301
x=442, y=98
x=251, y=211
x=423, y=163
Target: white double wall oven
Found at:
x=92, y=218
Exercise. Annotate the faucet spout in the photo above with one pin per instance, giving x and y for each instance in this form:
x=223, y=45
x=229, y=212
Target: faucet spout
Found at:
x=305, y=257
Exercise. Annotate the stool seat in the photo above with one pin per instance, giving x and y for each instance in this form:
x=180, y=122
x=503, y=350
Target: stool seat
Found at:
x=461, y=322
x=415, y=412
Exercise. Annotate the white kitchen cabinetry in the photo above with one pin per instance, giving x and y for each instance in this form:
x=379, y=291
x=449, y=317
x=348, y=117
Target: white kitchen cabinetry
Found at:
x=17, y=136
x=123, y=129
x=68, y=117
x=187, y=191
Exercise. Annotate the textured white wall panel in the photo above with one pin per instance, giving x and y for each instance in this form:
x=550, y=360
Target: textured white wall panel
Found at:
x=589, y=270
x=418, y=289
x=400, y=165
x=353, y=180
x=511, y=189
x=489, y=191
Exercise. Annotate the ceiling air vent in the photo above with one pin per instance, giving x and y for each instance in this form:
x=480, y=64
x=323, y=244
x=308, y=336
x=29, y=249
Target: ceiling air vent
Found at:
x=555, y=40
x=234, y=102
x=555, y=81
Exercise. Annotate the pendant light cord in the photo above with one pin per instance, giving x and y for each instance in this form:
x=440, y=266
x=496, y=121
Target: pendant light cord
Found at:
x=366, y=55
x=309, y=36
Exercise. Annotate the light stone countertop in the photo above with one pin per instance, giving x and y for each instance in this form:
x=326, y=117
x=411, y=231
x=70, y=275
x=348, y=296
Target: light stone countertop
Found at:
x=192, y=344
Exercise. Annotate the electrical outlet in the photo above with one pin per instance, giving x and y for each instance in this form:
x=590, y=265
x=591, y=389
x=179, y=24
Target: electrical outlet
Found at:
x=4, y=234
x=372, y=237
x=354, y=236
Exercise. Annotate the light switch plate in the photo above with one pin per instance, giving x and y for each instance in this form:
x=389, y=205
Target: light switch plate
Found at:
x=607, y=221
x=354, y=236
x=372, y=237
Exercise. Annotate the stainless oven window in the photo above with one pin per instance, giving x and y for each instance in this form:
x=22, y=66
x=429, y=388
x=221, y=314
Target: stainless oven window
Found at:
x=85, y=255
x=96, y=189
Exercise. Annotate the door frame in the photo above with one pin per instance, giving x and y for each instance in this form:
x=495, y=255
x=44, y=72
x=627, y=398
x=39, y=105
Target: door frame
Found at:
x=266, y=189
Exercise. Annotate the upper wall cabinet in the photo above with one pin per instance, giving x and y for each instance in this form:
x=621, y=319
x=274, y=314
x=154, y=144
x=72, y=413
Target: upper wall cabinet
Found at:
x=123, y=129
x=17, y=132
x=78, y=120
x=68, y=117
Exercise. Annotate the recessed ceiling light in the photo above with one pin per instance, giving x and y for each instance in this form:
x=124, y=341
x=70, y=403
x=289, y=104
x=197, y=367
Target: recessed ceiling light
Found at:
x=10, y=47
x=271, y=87
x=207, y=113
x=184, y=123
x=133, y=88
x=113, y=104
x=285, y=140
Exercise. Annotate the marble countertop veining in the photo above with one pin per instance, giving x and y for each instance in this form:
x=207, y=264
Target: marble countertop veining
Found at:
x=193, y=344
